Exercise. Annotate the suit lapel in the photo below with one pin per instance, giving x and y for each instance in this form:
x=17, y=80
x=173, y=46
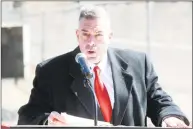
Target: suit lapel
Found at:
x=122, y=85
x=122, y=81
x=80, y=90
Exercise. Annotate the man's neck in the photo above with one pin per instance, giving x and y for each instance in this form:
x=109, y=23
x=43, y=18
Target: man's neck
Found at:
x=102, y=63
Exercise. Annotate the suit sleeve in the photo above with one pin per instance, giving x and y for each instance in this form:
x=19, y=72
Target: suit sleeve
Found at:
x=35, y=112
x=159, y=103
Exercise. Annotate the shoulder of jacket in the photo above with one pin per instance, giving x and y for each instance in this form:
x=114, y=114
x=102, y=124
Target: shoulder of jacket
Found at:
x=57, y=59
x=129, y=53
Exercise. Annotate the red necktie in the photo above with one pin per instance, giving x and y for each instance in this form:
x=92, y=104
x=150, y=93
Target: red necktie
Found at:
x=102, y=96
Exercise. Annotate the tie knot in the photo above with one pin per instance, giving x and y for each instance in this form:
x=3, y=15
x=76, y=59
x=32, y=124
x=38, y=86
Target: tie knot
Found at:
x=96, y=70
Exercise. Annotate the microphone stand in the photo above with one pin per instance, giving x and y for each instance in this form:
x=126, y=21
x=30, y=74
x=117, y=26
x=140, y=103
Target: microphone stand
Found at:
x=91, y=89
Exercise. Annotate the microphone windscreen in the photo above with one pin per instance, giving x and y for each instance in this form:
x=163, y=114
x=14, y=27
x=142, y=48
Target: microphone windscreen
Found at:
x=79, y=55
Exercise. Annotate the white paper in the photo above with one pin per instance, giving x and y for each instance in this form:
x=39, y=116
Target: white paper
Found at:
x=79, y=121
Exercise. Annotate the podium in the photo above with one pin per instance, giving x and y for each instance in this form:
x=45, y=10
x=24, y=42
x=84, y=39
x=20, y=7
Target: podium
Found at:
x=75, y=127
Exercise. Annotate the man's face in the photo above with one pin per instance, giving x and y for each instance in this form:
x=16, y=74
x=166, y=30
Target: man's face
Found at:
x=94, y=36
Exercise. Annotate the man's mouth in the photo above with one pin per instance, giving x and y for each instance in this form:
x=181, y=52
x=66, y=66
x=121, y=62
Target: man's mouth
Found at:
x=91, y=52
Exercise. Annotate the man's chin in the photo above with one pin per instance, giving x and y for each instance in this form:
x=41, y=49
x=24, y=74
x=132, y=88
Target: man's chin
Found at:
x=93, y=60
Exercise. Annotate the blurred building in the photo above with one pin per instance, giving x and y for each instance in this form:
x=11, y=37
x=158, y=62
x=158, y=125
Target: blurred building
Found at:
x=34, y=31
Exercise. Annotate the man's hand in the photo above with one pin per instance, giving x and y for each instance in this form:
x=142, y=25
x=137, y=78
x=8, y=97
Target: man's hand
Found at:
x=174, y=122
x=56, y=119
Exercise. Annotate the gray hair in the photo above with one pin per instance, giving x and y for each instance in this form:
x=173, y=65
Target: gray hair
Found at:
x=92, y=12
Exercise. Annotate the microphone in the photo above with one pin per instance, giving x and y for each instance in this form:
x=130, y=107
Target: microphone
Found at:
x=81, y=59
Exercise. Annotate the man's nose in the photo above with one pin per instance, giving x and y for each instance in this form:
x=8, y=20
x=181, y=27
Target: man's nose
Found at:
x=91, y=40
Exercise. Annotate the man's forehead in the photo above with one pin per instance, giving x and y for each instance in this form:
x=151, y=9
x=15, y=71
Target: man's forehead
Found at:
x=92, y=29
x=93, y=25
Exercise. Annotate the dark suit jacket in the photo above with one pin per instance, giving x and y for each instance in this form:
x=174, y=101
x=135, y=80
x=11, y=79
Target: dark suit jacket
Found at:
x=58, y=86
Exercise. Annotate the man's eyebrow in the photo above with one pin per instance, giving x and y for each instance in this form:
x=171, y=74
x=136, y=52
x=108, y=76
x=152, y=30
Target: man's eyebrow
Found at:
x=99, y=31
x=84, y=30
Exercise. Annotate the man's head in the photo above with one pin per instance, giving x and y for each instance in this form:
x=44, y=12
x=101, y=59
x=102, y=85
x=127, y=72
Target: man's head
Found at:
x=94, y=33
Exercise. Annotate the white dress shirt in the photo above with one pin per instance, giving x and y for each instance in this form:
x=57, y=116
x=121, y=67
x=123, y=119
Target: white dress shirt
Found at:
x=106, y=76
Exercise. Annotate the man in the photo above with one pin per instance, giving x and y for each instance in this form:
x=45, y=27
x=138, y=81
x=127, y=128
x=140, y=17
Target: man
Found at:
x=128, y=81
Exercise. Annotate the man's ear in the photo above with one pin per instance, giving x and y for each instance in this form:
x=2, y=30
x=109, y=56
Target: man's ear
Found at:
x=110, y=35
x=77, y=33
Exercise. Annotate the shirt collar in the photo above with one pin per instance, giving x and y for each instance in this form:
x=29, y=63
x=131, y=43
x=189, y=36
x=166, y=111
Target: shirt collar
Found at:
x=102, y=64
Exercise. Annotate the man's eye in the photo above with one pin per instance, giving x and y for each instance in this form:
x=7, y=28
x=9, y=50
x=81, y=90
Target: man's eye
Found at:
x=85, y=34
x=99, y=35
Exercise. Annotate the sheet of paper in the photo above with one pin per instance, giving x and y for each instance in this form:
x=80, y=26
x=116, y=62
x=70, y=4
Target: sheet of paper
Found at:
x=79, y=121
